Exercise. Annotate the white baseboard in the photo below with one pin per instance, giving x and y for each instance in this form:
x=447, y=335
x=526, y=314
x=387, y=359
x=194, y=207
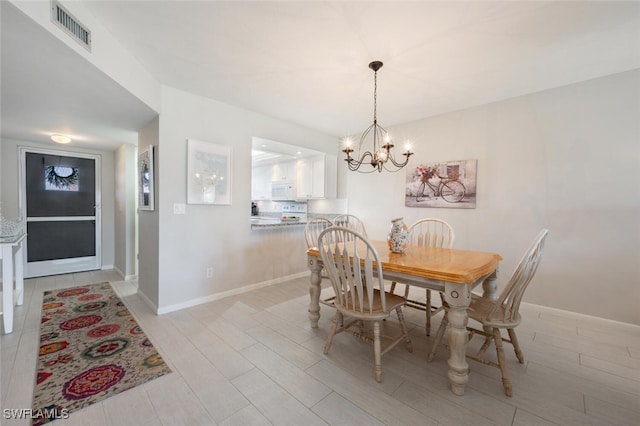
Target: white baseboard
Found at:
x=148, y=302
x=122, y=274
x=233, y=292
x=115, y=268
x=578, y=315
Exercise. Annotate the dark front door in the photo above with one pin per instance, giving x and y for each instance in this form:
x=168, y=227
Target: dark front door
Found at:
x=61, y=195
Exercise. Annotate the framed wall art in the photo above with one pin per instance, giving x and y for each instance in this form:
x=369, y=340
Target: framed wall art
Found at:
x=208, y=173
x=449, y=184
x=145, y=179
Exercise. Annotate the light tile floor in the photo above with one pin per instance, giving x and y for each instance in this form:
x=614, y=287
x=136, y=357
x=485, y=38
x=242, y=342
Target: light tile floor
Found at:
x=252, y=359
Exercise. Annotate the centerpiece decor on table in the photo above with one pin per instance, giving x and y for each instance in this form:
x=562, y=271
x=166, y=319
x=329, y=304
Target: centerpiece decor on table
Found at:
x=398, y=237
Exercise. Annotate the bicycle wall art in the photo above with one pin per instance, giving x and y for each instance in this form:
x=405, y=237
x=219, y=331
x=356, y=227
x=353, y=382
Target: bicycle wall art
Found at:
x=449, y=184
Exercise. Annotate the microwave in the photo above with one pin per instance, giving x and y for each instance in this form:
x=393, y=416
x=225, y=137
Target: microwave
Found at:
x=282, y=191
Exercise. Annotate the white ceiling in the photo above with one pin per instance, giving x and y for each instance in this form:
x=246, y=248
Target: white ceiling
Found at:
x=306, y=62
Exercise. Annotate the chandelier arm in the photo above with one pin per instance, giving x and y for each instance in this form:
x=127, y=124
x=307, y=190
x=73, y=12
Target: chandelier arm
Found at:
x=364, y=137
x=379, y=134
x=362, y=159
x=397, y=164
x=355, y=165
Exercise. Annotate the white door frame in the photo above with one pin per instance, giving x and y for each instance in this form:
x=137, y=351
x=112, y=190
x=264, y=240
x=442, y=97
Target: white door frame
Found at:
x=61, y=266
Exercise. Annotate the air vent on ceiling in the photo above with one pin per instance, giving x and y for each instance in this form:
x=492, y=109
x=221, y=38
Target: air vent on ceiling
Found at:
x=63, y=19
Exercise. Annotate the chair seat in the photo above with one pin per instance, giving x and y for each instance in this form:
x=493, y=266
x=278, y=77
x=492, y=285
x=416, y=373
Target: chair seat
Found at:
x=480, y=308
x=392, y=301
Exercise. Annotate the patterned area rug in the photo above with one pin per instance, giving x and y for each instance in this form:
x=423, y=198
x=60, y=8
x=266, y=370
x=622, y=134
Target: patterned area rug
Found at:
x=91, y=348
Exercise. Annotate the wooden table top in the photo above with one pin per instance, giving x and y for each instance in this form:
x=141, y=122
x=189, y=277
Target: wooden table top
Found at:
x=452, y=265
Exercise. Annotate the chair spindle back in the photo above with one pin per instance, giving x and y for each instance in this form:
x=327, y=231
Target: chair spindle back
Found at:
x=508, y=304
x=431, y=232
x=352, y=222
x=313, y=228
x=354, y=268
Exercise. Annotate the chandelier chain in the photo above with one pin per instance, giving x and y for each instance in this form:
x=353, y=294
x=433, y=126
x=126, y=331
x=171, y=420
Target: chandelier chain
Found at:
x=375, y=97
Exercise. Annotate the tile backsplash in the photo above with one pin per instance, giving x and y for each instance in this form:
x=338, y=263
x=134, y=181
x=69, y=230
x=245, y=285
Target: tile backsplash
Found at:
x=324, y=207
x=266, y=206
x=329, y=206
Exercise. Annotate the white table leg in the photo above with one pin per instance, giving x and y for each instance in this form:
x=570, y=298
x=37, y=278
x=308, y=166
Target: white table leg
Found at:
x=490, y=287
x=490, y=291
x=458, y=297
x=19, y=267
x=314, y=290
x=7, y=287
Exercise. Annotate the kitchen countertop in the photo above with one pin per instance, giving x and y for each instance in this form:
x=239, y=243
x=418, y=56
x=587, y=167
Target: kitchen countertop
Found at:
x=272, y=222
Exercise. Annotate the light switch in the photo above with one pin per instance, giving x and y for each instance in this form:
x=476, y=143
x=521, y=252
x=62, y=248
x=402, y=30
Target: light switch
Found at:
x=179, y=208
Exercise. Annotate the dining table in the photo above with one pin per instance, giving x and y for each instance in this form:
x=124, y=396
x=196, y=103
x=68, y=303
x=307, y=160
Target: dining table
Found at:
x=453, y=272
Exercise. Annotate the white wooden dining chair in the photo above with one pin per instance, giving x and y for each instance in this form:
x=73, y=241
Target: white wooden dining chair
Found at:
x=352, y=222
x=503, y=313
x=355, y=271
x=313, y=228
x=312, y=231
x=428, y=232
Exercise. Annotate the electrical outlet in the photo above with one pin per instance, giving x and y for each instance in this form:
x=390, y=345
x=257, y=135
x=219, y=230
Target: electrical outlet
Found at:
x=210, y=272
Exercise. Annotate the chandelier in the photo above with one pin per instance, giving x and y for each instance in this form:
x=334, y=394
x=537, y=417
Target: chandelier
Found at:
x=381, y=157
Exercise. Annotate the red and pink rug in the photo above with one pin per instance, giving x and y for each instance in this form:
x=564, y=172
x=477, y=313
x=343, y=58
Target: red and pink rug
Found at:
x=91, y=348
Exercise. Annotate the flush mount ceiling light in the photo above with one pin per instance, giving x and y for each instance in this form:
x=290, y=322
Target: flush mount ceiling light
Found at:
x=60, y=138
x=381, y=157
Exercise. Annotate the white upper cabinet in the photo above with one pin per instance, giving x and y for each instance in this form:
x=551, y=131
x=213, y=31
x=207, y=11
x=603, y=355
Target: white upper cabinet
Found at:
x=261, y=182
x=284, y=172
x=317, y=176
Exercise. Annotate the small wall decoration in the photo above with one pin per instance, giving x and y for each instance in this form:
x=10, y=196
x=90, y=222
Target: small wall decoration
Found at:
x=145, y=179
x=449, y=184
x=61, y=178
x=208, y=173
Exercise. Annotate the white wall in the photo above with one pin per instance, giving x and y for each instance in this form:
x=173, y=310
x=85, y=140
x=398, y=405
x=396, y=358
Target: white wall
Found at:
x=567, y=159
x=219, y=236
x=125, y=190
x=9, y=179
x=1, y=180
x=148, y=232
